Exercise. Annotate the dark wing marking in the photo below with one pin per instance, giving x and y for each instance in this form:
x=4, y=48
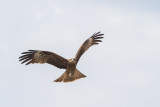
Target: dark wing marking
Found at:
x=93, y=40
x=35, y=56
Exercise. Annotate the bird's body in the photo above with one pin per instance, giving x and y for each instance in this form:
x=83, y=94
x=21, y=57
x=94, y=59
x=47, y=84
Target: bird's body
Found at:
x=71, y=73
x=71, y=66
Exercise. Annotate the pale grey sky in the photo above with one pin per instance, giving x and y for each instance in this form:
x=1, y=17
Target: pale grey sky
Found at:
x=122, y=71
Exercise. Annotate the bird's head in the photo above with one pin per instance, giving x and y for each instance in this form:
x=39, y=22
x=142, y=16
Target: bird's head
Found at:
x=73, y=60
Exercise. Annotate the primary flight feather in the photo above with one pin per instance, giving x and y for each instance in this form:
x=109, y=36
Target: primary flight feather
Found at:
x=71, y=73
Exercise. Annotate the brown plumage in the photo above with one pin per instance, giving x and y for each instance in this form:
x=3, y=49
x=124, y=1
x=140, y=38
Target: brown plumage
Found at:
x=71, y=73
x=36, y=56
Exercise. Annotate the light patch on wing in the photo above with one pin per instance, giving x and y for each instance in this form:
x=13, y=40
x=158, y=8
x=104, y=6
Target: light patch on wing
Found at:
x=39, y=57
x=90, y=42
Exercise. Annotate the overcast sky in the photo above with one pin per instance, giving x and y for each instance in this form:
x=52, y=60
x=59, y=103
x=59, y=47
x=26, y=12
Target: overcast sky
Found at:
x=122, y=71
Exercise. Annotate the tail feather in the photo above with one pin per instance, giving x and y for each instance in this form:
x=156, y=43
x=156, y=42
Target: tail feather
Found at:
x=65, y=77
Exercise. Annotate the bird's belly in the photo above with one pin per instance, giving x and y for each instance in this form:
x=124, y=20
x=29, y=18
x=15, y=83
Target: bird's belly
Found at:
x=71, y=68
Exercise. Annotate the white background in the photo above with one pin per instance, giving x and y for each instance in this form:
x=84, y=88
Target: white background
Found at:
x=122, y=71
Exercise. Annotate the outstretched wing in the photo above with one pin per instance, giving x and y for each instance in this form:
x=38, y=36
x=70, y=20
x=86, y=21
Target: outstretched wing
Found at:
x=93, y=40
x=36, y=56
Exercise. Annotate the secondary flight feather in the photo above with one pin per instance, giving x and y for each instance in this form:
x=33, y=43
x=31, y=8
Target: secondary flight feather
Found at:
x=71, y=73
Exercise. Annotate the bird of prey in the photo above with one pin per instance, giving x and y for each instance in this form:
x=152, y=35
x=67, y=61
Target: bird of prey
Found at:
x=71, y=73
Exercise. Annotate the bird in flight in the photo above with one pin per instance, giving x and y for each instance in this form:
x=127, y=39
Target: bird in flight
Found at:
x=71, y=73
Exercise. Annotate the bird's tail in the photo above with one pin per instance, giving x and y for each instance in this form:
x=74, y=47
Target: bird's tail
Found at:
x=67, y=77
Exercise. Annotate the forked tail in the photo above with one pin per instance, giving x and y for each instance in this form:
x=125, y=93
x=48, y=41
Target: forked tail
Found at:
x=65, y=77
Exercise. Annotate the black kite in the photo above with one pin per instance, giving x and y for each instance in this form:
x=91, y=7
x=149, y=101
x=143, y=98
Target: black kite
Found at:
x=71, y=73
